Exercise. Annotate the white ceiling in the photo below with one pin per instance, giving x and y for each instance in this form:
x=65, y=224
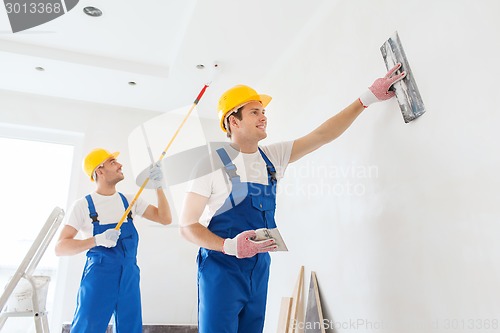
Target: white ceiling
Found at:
x=157, y=44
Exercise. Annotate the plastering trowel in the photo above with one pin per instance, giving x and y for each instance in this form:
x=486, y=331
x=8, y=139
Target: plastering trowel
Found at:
x=406, y=90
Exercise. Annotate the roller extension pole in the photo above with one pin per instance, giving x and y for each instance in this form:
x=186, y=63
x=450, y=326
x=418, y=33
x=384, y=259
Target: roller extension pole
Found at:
x=147, y=143
x=195, y=103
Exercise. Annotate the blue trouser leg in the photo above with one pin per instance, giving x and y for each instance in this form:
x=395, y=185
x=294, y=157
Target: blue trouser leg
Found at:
x=128, y=315
x=96, y=298
x=251, y=318
x=221, y=295
x=232, y=294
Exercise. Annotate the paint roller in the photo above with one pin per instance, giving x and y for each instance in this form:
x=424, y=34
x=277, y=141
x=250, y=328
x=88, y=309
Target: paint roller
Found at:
x=164, y=152
x=409, y=99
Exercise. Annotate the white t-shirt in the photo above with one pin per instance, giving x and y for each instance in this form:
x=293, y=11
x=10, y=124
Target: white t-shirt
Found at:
x=250, y=167
x=110, y=209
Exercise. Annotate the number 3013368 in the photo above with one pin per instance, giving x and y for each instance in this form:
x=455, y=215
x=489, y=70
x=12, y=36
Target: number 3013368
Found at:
x=33, y=8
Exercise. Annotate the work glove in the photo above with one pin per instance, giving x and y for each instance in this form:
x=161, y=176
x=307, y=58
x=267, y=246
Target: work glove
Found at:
x=107, y=238
x=156, y=175
x=379, y=90
x=242, y=246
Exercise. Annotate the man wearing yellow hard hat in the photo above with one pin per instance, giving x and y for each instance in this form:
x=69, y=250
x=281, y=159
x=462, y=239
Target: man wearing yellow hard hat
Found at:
x=110, y=281
x=233, y=270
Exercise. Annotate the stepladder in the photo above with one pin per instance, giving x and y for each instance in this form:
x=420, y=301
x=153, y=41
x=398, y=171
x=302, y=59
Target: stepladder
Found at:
x=34, y=287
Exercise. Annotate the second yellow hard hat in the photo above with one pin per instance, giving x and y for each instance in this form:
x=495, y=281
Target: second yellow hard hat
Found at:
x=95, y=158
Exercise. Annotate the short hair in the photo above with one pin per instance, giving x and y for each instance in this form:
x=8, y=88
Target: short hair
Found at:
x=94, y=173
x=238, y=115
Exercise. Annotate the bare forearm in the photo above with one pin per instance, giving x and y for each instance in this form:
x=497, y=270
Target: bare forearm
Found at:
x=160, y=214
x=200, y=235
x=69, y=247
x=339, y=123
x=326, y=132
x=164, y=213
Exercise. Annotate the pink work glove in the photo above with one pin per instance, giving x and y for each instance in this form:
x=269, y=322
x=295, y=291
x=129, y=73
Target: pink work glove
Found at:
x=242, y=246
x=379, y=90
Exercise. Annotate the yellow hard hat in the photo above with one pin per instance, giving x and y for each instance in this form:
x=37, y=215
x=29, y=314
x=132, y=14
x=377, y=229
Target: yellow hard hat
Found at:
x=236, y=97
x=95, y=158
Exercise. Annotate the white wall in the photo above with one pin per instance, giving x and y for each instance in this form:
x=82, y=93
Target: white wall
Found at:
x=415, y=239
x=398, y=220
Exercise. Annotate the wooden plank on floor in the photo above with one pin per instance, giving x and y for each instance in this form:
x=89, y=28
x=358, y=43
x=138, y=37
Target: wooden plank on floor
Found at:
x=297, y=303
x=284, y=318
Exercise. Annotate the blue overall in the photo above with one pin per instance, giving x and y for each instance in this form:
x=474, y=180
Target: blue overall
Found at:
x=110, y=282
x=232, y=292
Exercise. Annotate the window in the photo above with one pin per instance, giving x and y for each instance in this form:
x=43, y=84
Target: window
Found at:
x=35, y=174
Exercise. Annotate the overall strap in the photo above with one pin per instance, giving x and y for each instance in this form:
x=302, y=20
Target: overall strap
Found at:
x=230, y=169
x=271, y=170
x=93, y=214
x=125, y=204
x=228, y=164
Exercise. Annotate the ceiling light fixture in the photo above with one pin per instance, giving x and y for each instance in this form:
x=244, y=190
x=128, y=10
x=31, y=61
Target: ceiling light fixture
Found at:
x=200, y=66
x=38, y=68
x=132, y=83
x=92, y=11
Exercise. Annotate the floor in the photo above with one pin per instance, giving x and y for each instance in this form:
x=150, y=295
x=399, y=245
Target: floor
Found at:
x=152, y=329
